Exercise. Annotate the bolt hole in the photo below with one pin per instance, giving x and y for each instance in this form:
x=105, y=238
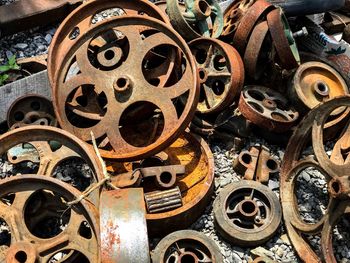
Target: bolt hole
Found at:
x=246, y=158
x=19, y=116
x=271, y=164
x=336, y=187
x=201, y=56
x=203, y=6
x=109, y=54
x=248, y=207
x=121, y=82
x=322, y=87
x=188, y=259
x=165, y=177
x=201, y=74
x=35, y=105
x=21, y=256
x=218, y=87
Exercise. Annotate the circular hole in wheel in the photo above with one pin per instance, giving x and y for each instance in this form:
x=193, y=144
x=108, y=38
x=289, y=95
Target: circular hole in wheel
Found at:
x=141, y=124
x=46, y=214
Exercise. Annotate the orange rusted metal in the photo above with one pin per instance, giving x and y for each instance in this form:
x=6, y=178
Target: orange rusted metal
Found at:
x=196, y=185
x=49, y=147
x=336, y=172
x=221, y=74
x=267, y=108
x=81, y=20
x=131, y=114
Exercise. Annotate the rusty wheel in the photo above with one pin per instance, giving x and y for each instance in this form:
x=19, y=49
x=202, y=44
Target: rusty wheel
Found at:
x=255, y=13
x=186, y=246
x=335, y=169
x=316, y=82
x=221, y=74
x=82, y=19
x=31, y=110
x=196, y=185
x=193, y=22
x=41, y=150
x=283, y=39
x=232, y=17
x=247, y=213
x=122, y=82
x=41, y=226
x=267, y=108
x=257, y=54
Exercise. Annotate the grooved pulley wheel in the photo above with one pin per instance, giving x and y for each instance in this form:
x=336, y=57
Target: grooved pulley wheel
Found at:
x=186, y=246
x=247, y=213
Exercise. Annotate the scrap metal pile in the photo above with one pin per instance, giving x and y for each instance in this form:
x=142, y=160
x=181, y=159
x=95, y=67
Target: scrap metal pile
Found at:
x=134, y=98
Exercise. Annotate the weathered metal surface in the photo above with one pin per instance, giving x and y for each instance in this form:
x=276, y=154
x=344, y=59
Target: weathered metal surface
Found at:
x=123, y=226
x=193, y=23
x=221, y=74
x=255, y=13
x=35, y=84
x=233, y=14
x=196, y=185
x=336, y=172
x=31, y=109
x=23, y=15
x=51, y=146
x=80, y=21
x=162, y=201
x=267, y=108
x=41, y=202
x=163, y=176
x=283, y=39
x=131, y=116
x=247, y=213
x=314, y=83
x=256, y=164
x=178, y=246
x=33, y=64
x=257, y=54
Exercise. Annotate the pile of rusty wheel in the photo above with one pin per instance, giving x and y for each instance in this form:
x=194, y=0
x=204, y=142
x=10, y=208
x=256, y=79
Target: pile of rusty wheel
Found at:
x=131, y=96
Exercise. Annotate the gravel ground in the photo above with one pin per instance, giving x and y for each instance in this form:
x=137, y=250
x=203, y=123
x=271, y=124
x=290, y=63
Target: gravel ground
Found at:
x=312, y=198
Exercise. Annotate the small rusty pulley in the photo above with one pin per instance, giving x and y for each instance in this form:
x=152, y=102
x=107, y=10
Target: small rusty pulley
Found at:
x=267, y=108
x=247, y=213
x=221, y=74
x=31, y=110
x=315, y=82
x=187, y=246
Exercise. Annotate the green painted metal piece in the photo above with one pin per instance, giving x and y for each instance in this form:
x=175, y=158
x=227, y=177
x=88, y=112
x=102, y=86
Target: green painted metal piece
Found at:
x=200, y=18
